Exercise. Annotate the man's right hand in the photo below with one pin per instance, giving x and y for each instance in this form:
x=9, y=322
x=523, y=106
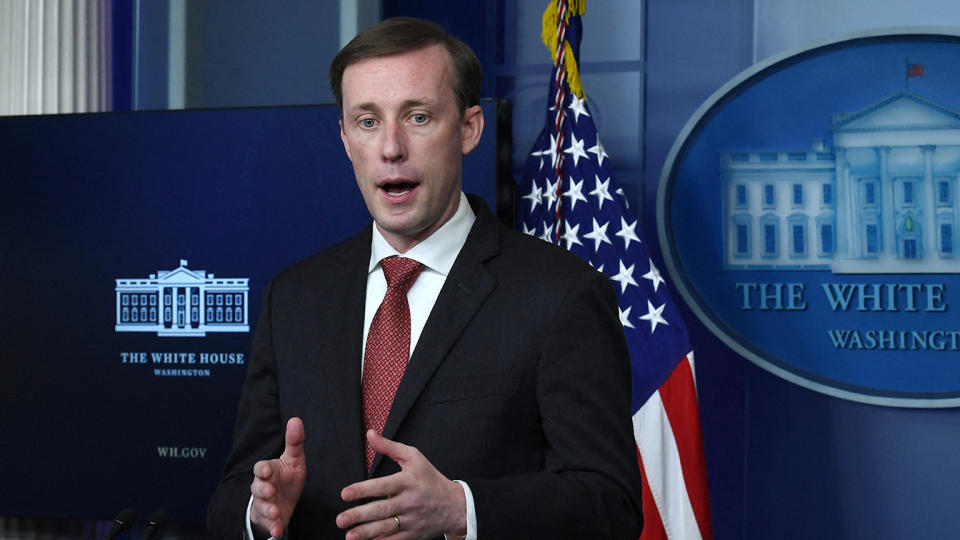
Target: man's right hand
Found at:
x=278, y=483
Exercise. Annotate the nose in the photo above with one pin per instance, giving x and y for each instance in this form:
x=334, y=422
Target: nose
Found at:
x=394, y=146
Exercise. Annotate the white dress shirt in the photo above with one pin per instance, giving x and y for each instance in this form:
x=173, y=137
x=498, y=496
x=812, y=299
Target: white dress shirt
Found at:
x=437, y=253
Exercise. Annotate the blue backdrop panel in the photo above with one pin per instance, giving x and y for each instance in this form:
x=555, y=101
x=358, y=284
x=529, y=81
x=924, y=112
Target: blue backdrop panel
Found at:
x=100, y=409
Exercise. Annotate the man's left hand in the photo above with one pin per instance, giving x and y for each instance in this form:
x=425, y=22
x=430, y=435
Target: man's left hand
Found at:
x=417, y=502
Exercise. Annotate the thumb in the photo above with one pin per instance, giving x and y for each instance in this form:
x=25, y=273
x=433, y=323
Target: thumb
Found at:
x=293, y=448
x=396, y=451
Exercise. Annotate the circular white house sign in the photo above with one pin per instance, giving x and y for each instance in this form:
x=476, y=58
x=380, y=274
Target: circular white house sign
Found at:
x=809, y=213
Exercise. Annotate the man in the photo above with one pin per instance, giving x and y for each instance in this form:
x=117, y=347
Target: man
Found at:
x=511, y=417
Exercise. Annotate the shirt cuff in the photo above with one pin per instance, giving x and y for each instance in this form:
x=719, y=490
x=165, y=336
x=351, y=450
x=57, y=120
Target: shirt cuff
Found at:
x=471, y=513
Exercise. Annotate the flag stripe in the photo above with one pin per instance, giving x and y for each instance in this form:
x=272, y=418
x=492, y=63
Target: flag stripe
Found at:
x=679, y=396
x=652, y=525
x=651, y=428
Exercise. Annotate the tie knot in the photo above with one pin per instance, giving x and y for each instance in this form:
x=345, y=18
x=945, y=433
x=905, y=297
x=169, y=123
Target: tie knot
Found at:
x=400, y=272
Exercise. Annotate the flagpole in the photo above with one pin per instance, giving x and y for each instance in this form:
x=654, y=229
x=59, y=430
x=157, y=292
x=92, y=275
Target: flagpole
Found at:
x=560, y=77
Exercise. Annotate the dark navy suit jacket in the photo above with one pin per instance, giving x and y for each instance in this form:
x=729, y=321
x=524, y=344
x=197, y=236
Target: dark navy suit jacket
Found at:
x=519, y=385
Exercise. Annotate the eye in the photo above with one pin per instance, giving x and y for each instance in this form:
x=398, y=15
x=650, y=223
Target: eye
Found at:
x=367, y=123
x=419, y=118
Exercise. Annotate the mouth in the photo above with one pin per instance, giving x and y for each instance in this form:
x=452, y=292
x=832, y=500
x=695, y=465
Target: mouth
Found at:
x=398, y=188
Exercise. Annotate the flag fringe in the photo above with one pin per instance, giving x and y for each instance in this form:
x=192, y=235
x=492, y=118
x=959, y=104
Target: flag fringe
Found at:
x=549, y=36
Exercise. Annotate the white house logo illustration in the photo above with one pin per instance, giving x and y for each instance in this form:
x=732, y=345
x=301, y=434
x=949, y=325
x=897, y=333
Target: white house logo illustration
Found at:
x=808, y=213
x=182, y=302
x=882, y=199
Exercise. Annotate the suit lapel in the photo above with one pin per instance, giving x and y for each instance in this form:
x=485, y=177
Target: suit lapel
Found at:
x=340, y=360
x=466, y=288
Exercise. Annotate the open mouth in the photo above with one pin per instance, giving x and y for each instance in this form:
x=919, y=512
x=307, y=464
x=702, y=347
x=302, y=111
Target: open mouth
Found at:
x=398, y=189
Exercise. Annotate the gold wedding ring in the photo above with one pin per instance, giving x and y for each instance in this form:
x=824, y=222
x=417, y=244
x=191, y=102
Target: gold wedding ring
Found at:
x=397, y=519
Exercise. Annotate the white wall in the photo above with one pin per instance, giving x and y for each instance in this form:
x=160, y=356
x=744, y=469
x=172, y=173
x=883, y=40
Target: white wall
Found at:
x=782, y=25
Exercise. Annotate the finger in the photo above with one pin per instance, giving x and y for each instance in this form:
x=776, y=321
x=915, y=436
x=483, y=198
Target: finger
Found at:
x=383, y=486
x=266, y=515
x=374, y=529
x=263, y=469
x=398, y=452
x=266, y=511
x=372, y=511
x=294, y=439
x=272, y=525
x=262, y=490
x=268, y=528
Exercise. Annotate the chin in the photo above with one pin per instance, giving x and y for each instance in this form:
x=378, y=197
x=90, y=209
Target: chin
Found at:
x=399, y=228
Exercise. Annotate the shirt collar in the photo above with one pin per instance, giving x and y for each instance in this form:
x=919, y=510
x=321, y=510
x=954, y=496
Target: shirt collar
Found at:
x=439, y=250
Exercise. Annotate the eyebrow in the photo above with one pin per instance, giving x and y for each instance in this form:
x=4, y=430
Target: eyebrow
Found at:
x=373, y=107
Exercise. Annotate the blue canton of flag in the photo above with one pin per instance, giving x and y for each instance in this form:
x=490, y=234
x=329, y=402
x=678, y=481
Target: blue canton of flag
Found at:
x=596, y=222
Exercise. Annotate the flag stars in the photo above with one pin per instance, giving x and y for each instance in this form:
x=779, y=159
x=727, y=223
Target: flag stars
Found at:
x=601, y=191
x=625, y=277
x=624, y=197
x=598, y=150
x=535, y=196
x=578, y=106
x=654, y=276
x=570, y=234
x=547, y=235
x=575, y=193
x=550, y=194
x=527, y=230
x=627, y=232
x=625, y=317
x=538, y=154
x=654, y=315
x=576, y=149
x=551, y=151
x=598, y=234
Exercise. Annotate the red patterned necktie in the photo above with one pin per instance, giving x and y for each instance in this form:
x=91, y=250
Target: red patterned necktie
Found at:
x=388, y=346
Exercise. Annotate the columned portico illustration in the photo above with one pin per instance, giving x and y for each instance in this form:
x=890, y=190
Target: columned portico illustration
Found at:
x=182, y=302
x=893, y=169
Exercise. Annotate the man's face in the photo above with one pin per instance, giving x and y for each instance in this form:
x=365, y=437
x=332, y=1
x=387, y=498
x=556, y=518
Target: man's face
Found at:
x=403, y=132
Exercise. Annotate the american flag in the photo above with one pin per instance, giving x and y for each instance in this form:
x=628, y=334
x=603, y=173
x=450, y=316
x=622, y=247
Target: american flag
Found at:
x=568, y=195
x=914, y=70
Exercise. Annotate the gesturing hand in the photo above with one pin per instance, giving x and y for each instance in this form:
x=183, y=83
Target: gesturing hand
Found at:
x=420, y=501
x=277, y=484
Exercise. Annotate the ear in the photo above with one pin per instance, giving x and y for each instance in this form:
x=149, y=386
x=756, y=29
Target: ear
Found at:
x=472, y=128
x=346, y=145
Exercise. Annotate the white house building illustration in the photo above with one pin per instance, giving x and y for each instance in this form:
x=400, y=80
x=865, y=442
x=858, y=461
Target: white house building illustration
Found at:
x=182, y=302
x=882, y=199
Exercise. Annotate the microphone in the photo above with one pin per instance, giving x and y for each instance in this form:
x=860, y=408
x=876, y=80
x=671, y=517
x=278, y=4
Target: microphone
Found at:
x=122, y=523
x=155, y=524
